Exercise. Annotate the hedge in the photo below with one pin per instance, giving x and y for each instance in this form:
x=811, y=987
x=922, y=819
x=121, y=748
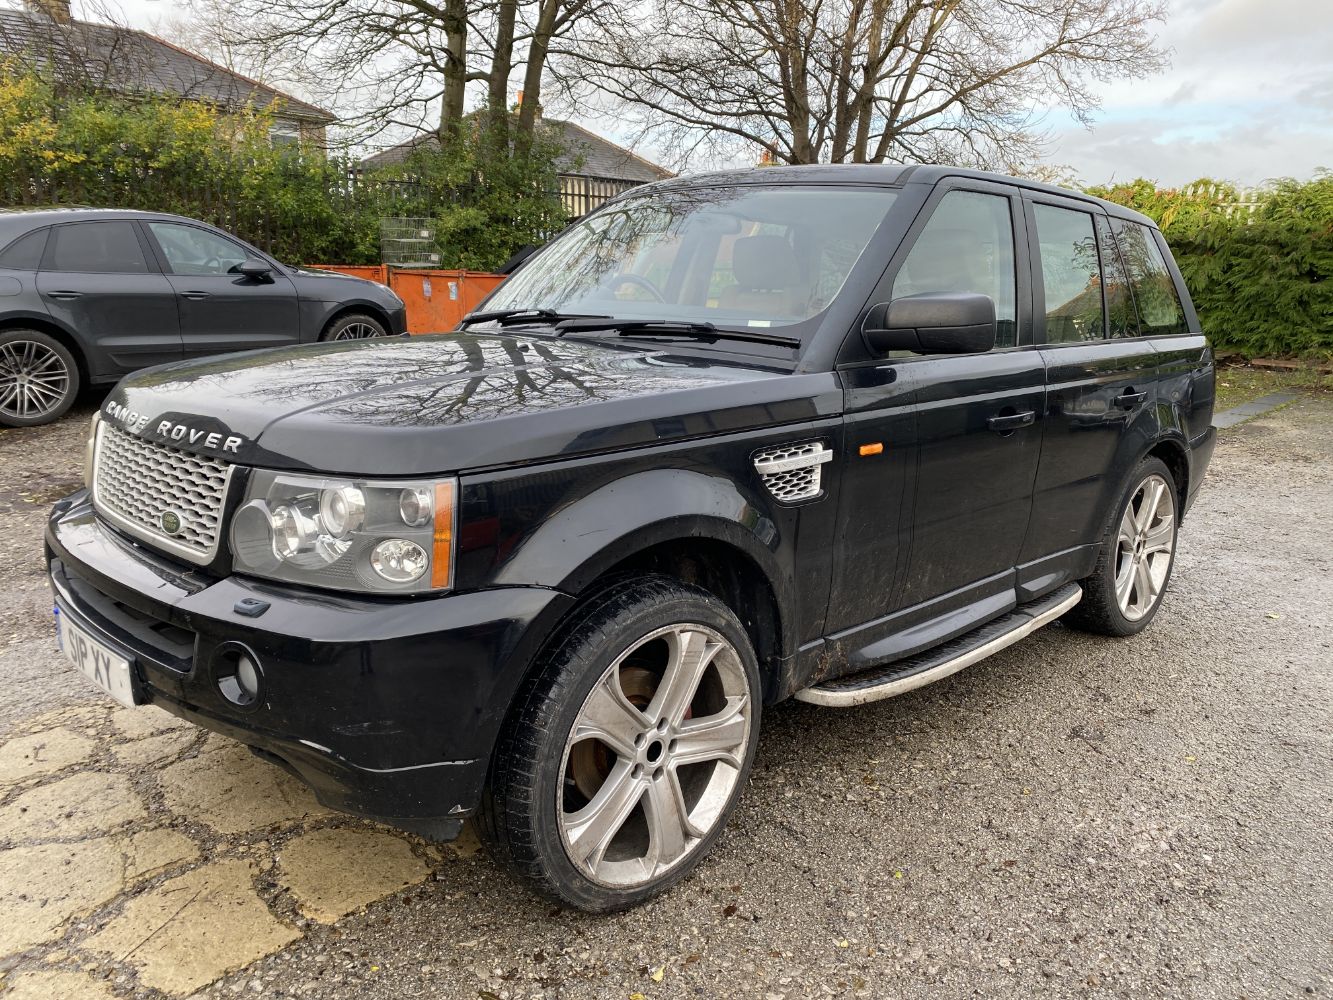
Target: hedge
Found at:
x=1260, y=270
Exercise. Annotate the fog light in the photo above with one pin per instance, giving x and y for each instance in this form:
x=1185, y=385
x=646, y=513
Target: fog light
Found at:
x=399, y=560
x=239, y=678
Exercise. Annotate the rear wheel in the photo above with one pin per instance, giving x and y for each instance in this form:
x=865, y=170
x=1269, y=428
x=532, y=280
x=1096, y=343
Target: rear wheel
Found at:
x=354, y=326
x=627, y=752
x=39, y=378
x=1125, y=590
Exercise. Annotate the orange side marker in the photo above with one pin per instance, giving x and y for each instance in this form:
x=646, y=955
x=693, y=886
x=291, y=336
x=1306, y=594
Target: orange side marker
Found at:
x=872, y=449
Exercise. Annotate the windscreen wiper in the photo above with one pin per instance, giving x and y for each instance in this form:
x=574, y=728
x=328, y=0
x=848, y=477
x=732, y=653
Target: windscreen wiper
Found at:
x=671, y=328
x=509, y=317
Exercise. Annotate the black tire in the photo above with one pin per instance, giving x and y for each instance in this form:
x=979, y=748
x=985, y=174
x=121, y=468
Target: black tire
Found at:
x=354, y=326
x=1100, y=610
x=531, y=773
x=39, y=375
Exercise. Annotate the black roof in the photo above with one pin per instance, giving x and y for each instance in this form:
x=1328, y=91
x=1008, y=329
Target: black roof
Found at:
x=14, y=221
x=887, y=174
x=583, y=152
x=132, y=61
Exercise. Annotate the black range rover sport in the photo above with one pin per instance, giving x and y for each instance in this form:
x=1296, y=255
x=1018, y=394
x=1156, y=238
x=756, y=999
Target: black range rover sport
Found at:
x=829, y=433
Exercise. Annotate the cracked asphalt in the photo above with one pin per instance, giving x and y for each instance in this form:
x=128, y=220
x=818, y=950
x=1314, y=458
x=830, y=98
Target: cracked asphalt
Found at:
x=1073, y=817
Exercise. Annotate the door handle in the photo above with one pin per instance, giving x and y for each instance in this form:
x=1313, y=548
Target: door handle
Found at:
x=195, y=295
x=1003, y=423
x=1129, y=399
x=63, y=294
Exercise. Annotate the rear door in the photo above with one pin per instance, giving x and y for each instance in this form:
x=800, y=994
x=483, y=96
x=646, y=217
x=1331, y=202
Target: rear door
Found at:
x=221, y=310
x=1101, y=378
x=941, y=450
x=99, y=280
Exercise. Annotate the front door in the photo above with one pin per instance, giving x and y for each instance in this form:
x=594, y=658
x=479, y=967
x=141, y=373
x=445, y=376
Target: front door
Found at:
x=98, y=280
x=933, y=523
x=1102, y=380
x=221, y=310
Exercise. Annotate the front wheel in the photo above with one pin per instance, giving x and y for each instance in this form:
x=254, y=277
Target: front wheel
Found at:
x=625, y=755
x=354, y=326
x=39, y=378
x=1138, y=552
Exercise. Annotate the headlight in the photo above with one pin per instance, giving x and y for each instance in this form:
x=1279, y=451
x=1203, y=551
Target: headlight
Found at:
x=381, y=537
x=90, y=450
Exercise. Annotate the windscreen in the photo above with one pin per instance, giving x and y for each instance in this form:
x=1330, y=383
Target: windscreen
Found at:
x=735, y=256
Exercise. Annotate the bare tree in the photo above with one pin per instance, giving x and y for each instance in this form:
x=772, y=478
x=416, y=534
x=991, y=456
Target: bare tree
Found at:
x=859, y=80
x=415, y=64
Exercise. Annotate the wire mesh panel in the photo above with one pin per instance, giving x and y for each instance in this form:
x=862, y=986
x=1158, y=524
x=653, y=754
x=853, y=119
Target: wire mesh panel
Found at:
x=407, y=242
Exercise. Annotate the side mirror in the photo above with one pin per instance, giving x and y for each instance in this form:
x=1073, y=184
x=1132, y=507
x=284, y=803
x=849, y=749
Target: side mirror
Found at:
x=255, y=269
x=933, y=323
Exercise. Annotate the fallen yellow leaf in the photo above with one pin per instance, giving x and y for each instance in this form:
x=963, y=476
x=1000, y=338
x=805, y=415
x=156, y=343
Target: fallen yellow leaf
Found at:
x=658, y=974
x=843, y=943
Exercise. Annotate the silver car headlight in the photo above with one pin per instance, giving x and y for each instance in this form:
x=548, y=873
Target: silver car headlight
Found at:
x=347, y=534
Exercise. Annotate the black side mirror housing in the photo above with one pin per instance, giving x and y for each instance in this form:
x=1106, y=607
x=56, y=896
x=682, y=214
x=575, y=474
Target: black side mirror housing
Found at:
x=255, y=269
x=933, y=323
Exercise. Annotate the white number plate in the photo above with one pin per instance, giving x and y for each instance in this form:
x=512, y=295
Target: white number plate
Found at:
x=109, y=670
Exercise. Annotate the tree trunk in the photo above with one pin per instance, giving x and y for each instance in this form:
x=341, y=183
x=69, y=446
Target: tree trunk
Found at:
x=455, y=68
x=502, y=64
x=536, y=65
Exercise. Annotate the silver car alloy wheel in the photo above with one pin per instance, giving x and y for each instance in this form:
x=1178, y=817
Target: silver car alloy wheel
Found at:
x=33, y=379
x=1145, y=543
x=654, y=756
x=357, y=331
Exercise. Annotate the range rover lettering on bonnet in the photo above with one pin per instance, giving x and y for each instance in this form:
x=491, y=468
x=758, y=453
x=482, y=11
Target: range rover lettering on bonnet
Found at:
x=135, y=423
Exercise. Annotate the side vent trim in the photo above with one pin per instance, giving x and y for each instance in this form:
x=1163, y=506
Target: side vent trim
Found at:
x=791, y=473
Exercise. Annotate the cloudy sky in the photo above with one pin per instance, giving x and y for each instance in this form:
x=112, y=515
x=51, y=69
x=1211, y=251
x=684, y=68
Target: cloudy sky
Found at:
x=1249, y=96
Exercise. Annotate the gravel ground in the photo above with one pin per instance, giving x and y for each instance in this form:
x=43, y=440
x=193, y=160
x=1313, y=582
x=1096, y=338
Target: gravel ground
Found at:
x=1076, y=816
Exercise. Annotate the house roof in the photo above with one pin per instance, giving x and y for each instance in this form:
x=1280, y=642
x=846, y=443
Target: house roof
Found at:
x=583, y=152
x=132, y=61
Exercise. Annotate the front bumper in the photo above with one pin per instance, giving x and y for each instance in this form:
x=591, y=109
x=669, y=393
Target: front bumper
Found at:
x=385, y=707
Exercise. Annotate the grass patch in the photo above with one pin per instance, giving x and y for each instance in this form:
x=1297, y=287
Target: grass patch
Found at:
x=1238, y=384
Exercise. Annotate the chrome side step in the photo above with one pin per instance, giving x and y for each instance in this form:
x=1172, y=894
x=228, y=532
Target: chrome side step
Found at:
x=935, y=664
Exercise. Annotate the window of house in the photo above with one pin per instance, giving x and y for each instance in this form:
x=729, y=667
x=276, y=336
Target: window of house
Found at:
x=1071, y=275
x=967, y=246
x=1159, y=308
x=197, y=251
x=95, y=247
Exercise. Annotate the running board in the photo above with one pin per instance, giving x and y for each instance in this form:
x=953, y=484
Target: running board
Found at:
x=902, y=676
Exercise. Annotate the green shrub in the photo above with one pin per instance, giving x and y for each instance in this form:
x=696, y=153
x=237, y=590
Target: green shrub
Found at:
x=1261, y=275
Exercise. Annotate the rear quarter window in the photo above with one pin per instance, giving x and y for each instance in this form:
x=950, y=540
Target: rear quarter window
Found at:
x=25, y=253
x=1155, y=294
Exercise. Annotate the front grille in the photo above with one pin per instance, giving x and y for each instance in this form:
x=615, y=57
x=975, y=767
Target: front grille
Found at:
x=137, y=482
x=792, y=472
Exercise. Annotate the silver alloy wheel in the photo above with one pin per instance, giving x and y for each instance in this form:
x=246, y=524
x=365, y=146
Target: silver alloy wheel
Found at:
x=33, y=379
x=1145, y=544
x=357, y=331
x=654, y=755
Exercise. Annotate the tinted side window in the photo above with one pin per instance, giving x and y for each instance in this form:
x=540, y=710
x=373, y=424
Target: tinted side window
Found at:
x=1160, y=312
x=1070, y=273
x=25, y=253
x=967, y=246
x=100, y=247
x=196, y=251
x=1121, y=318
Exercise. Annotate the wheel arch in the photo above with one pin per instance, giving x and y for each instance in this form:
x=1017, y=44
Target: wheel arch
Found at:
x=350, y=308
x=1173, y=454
x=57, y=332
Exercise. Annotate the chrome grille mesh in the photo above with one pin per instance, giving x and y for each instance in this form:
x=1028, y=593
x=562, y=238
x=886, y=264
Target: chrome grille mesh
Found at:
x=792, y=472
x=135, y=482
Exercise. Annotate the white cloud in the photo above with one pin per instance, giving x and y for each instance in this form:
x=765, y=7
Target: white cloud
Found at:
x=1249, y=97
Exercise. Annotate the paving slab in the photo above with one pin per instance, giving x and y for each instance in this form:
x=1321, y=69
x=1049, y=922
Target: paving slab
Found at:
x=41, y=754
x=154, y=749
x=336, y=871
x=146, y=720
x=233, y=791
x=188, y=931
x=44, y=886
x=58, y=985
x=85, y=803
x=1245, y=411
